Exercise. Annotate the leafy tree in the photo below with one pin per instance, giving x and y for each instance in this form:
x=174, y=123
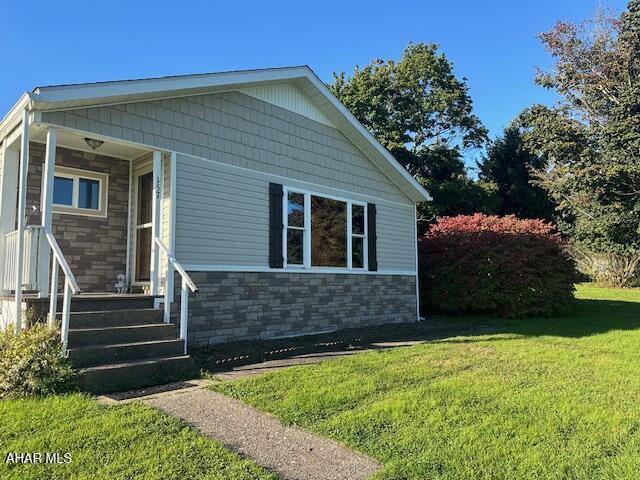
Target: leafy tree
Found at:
x=509, y=166
x=592, y=138
x=423, y=114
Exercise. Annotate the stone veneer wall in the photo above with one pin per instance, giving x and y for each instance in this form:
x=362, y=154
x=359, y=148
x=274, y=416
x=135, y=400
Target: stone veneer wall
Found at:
x=95, y=247
x=231, y=306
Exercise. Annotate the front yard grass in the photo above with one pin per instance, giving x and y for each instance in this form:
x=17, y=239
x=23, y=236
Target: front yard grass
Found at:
x=546, y=398
x=130, y=441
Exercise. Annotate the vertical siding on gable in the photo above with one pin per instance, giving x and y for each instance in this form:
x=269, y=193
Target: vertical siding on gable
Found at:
x=244, y=131
x=289, y=97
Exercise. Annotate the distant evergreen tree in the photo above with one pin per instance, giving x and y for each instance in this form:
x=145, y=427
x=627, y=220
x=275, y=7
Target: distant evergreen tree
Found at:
x=509, y=167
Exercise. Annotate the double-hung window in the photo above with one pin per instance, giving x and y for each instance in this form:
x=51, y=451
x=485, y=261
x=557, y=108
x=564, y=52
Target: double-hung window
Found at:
x=324, y=232
x=80, y=192
x=296, y=233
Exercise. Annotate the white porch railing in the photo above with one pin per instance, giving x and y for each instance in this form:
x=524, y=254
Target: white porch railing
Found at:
x=187, y=284
x=33, y=246
x=70, y=285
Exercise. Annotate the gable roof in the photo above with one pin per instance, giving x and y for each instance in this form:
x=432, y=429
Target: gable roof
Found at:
x=104, y=93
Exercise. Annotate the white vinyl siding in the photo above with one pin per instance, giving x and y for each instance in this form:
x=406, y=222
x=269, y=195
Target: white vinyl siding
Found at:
x=222, y=219
x=396, y=237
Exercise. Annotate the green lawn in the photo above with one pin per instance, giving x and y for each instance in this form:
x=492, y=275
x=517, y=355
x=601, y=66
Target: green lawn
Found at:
x=116, y=442
x=545, y=398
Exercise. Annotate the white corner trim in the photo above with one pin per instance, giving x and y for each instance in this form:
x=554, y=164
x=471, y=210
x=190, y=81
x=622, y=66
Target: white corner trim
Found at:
x=258, y=268
x=415, y=229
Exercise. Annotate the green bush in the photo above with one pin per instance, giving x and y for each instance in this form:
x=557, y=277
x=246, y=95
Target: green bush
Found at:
x=32, y=363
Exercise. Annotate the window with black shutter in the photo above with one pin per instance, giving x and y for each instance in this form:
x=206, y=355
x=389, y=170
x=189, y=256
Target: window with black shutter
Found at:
x=275, y=225
x=371, y=237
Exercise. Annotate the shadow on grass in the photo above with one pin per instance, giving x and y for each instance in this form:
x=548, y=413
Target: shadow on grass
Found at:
x=589, y=317
x=313, y=348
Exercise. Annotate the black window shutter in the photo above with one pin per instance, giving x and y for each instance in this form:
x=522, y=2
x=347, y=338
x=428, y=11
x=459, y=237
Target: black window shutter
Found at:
x=275, y=226
x=371, y=237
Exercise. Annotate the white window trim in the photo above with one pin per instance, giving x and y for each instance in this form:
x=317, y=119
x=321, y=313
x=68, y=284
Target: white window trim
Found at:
x=76, y=174
x=306, y=241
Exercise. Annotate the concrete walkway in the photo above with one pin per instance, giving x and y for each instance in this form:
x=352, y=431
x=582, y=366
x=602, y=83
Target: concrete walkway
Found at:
x=291, y=452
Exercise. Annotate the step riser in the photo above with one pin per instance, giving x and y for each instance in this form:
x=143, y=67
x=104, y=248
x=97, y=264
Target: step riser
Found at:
x=114, y=318
x=136, y=376
x=112, y=336
x=79, y=304
x=99, y=305
x=105, y=355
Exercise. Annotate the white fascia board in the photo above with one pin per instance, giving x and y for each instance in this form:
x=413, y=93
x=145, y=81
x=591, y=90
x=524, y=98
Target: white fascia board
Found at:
x=344, y=111
x=14, y=116
x=89, y=91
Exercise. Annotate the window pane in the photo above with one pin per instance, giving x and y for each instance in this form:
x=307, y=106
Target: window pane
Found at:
x=143, y=254
x=88, y=193
x=328, y=232
x=357, y=219
x=296, y=210
x=145, y=198
x=357, y=258
x=295, y=247
x=63, y=191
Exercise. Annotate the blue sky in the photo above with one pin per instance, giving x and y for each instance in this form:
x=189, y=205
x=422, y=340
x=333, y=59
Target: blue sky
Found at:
x=492, y=42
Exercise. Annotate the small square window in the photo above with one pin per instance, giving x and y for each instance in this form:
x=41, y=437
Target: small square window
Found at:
x=79, y=192
x=88, y=193
x=63, y=191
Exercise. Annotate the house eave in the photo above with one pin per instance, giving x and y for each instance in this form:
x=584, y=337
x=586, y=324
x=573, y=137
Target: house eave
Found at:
x=105, y=93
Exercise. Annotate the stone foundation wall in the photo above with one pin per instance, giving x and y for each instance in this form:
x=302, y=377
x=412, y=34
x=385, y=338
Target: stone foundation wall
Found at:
x=231, y=306
x=95, y=247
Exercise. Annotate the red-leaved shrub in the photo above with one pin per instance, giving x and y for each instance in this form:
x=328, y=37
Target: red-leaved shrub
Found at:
x=495, y=265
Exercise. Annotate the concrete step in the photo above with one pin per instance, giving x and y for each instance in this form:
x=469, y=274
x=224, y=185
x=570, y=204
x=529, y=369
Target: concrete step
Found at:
x=109, y=354
x=95, y=302
x=136, y=374
x=114, y=318
x=85, y=337
x=115, y=302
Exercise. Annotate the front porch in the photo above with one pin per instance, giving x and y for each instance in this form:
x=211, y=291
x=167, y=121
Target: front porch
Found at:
x=101, y=202
x=84, y=224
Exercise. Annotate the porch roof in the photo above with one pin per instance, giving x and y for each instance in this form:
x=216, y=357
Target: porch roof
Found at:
x=124, y=91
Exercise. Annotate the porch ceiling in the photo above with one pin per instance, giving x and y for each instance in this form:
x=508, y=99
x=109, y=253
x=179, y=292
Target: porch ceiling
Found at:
x=75, y=141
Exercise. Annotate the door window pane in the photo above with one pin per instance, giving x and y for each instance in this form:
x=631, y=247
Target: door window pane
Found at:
x=143, y=254
x=295, y=215
x=357, y=256
x=145, y=197
x=357, y=219
x=295, y=247
x=328, y=232
x=63, y=191
x=88, y=193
